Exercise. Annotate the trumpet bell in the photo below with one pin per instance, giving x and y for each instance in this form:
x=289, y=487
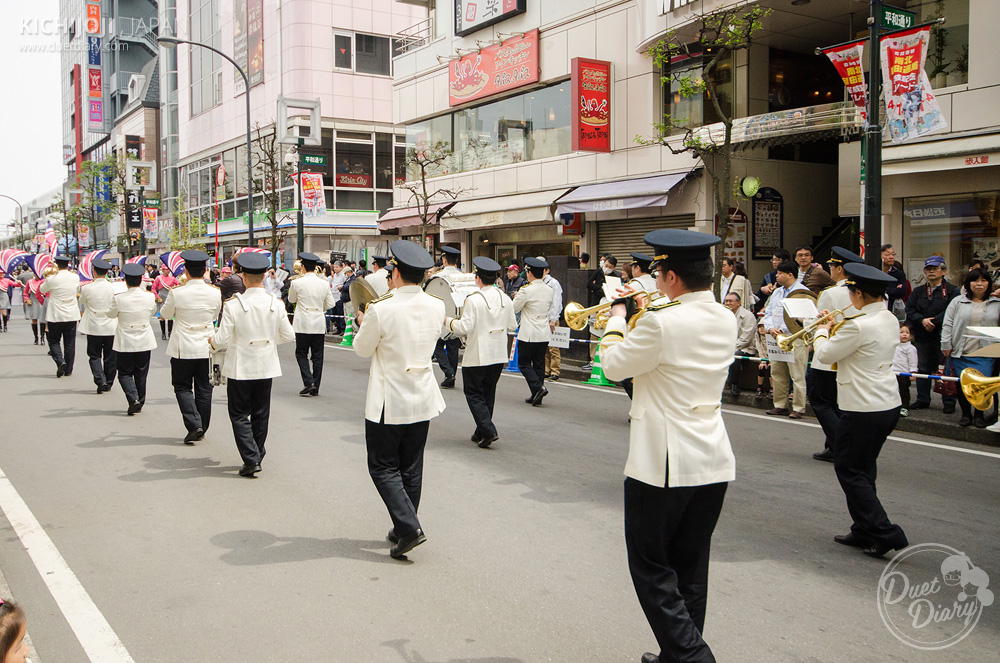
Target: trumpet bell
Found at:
x=978, y=388
x=576, y=316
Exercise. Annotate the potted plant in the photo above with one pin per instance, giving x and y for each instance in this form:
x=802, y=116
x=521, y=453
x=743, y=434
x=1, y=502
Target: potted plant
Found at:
x=961, y=73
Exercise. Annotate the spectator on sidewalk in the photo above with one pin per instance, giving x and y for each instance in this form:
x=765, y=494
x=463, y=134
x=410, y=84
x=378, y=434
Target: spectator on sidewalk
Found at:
x=783, y=372
x=769, y=283
x=898, y=293
x=746, y=340
x=975, y=307
x=810, y=274
x=553, y=356
x=925, y=309
x=905, y=361
x=730, y=281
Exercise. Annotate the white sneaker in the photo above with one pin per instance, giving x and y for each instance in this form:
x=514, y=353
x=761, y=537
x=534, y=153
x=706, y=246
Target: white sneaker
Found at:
x=903, y=412
x=995, y=427
x=588, y=366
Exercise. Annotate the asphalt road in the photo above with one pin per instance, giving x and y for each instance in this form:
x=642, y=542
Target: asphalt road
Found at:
x=524, y=561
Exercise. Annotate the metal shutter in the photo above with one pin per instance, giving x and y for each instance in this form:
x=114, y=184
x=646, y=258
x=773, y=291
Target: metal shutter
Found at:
x=623, y=236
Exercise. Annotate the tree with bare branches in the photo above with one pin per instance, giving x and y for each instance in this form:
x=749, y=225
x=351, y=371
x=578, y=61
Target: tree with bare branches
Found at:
x=719, y=35
x=424, y=162
x=270, y=175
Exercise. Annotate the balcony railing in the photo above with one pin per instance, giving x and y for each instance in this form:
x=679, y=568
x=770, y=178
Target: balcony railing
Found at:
x=787, y=126
x=414, y=36
x=135, y=29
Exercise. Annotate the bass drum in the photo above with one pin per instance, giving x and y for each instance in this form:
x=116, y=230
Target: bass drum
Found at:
x=450, y=290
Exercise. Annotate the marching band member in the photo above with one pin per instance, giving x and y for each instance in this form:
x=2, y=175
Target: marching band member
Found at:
x=379, y=279
x=487, y=316
x=448, y=346
x=96, y=297
x=642, y=281
x=312, y=297
x=868, y=397
x=399, y=332
x=195, y=307
x=62, y=312
x=253, y=324
x=533, y=302
x=821, y=380
x=134, y=337
x=680, y=459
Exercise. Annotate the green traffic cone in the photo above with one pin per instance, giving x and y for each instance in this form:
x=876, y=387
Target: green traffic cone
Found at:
x=348, y=340
x=597, y=373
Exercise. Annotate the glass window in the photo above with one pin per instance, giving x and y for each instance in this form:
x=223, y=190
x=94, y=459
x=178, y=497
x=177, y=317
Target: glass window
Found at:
x=343, y=51
x=241, y=170
x=348, y=199
x=354, y=167
x=229, y=161
x=372, y=55
x=948, y=49
x=960, y=228
x=400, y=166
x=697, y=109
x=548, y=118
x=383, y=161
x=383, y=201
x=205, y=66
x=435, y=132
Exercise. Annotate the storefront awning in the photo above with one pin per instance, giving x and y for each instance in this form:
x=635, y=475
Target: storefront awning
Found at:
x=932, y=156
x=401, y=217
x=625, y=194
x=502, y=210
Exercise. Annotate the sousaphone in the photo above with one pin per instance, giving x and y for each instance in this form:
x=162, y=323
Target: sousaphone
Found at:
x=793, y=324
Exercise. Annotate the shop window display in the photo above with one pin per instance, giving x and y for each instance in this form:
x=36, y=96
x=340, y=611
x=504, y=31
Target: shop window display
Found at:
x=960, y=228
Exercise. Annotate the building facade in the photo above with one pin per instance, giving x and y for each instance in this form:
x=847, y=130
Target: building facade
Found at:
x=338, y=52
x=531, y=183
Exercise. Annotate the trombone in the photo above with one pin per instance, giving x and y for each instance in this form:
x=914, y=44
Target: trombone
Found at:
x=786, y=341
x=577, y=316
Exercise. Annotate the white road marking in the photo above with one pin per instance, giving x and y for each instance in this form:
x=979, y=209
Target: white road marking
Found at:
x=96, y=636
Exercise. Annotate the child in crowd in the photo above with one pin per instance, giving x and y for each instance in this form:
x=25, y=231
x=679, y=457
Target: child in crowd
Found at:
x=13, y=626
x=905, y=361
x=765, y=387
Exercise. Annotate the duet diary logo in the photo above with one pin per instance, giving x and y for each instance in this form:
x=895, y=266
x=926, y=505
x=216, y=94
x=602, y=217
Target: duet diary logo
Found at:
x=931, y=596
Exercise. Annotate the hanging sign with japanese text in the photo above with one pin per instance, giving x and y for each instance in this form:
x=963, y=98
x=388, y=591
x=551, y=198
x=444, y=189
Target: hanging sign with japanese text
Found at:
x=150, y=222
x=911, y=108
x=847, y=60
x=495, y=69
x=313, y=199
x=96, y=115
x=94, y=51
x=240, y=41
x=472, y=15
x=93, y=19
x=591, y=105
x=94, y=79
x=255, y=42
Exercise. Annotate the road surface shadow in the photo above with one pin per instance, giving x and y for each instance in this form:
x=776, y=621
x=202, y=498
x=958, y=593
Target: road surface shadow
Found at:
x=70, y=412
x=120, y=440
x=51, y=392
x=168, y=467
x=256, y=548
x=410, y=656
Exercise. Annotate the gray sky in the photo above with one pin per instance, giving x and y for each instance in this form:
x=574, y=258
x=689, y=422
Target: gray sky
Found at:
x=31, y=117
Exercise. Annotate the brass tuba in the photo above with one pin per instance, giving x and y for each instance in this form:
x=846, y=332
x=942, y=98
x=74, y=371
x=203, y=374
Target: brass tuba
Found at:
x=978, y=388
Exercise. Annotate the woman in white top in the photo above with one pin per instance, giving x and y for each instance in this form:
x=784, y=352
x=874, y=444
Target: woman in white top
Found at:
x=975, y=307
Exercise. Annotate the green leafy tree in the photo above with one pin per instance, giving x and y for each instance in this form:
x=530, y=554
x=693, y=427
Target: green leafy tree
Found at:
x=98, y=191
x=188, y=230
x=719, y=35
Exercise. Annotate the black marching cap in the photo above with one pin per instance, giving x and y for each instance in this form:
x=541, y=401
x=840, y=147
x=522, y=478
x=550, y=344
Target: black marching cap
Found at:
x=484, y=264
x=867, y=277
x=643, y=260
x=133, y=269
x=535, y=263
x=62, y=260
x=310, y=258
x=194, y=256
x=411, y=255
x=842, y=256
x=101, y=264
x=253, y=263
x=451, y=251
x=677, y=244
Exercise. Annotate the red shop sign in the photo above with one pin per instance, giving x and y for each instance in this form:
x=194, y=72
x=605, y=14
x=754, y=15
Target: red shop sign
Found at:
x=591, y=105
x=495, y=69
x=353, y=180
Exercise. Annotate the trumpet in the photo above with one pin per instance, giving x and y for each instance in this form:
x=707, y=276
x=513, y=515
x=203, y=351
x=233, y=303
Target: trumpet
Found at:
x=577, y=316
x=807, y=333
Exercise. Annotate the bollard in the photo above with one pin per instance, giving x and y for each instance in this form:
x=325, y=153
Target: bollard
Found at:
x=348, y=340
x=597, y=373
x=512, y=362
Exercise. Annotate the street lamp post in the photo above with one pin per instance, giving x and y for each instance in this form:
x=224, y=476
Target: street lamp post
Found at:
x=171, y=42
x=20, y=214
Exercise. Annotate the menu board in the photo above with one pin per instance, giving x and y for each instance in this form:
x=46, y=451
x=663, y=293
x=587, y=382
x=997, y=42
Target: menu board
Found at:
x=591, y=105
x=768, y=208
x=735, y=246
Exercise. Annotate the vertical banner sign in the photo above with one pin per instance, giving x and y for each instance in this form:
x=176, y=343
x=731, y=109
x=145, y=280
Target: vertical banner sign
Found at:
x=93, y=19
x=591, y=105
x=847, y=60
x=94, y=80
x=83, y=235
x=240, y=40
x=96, y=115
x=255, y=41
x=150, y=222
x=134, y=219
x=495, y=69
x=313, y=200
x=94, y=51
x=911, y=110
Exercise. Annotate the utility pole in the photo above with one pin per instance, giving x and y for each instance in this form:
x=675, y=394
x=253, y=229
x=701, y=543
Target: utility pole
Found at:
x=873, y=143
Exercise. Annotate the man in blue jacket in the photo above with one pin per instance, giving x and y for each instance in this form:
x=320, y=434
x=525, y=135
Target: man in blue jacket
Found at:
x=925, y=314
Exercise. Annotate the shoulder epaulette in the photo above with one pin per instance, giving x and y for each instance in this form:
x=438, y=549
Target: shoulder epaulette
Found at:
x=425, y=292
x=851, y=317
x=385, y=296
x=663, y=305
x=212, y=285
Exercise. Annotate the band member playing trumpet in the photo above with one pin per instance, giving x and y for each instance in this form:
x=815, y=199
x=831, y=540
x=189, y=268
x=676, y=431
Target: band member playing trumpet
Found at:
x=533, y=302
x=487, y=316
x=680, y=458
x=641, y=280
x=399, y=332
x=868, y=397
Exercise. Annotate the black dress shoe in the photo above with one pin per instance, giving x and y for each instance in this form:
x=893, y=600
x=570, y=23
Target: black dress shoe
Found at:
x=391, y=536
x=407, y=543
x=734, y=391
x=486, y=442
x=100, y=387
x=134, y=407
x=949, y=409
x=826, y=454
x=448, y=382
x=314, y=391
x=649, y=658
x=529, y=399
x=306, y=391
x=850, y=540
x=163, y=337
x=476, y=437
x=539, y=395
x=67, y=374
x=249, y=471
x=965, y=421
x=919, y=406
x=877, y=550
x=194, y=436
x=60, y=370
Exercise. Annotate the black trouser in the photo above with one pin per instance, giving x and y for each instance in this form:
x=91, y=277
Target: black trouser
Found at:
x=531, y=363
x=821, y=387
x=193, y=390
x=904, y=390
x=133, y=367
x=249, y=410
x=859, y=440
x=480, y=386
x=446, y=354
x=396, y=465
x=166, y=326
x=627, y=386
x=103, y=359
x=929, y=357
x=306, y=344
x=668, y=535
x=338, y=317
x=66, y=333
